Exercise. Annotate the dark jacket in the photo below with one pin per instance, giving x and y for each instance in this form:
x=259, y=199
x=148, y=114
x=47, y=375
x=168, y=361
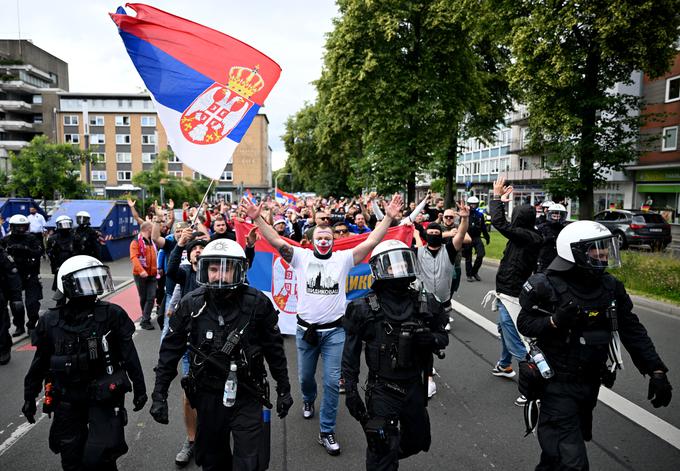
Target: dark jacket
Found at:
x=26, y=251
x=477, y=225
x=548, y=251
x=521, y=251
x=9, y=279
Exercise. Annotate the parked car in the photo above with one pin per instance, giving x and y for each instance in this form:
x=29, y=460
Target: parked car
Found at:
x=635, y=227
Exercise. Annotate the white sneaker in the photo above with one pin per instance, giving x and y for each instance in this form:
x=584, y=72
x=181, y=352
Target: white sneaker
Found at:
x=328, y=441
x=431, y=387
x=307, y=410
x=520, y=401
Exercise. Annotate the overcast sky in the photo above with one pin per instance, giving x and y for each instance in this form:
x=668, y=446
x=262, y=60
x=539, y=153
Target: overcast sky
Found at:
x=80, y=32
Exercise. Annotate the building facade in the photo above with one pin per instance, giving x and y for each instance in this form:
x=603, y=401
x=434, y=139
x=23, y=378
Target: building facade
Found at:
x=124, y=135
x=26, y=72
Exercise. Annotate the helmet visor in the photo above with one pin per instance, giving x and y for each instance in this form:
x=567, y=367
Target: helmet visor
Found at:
x=82, y=220
x=394, y=264
x=88, y=281
x=64, y=224
x=221, y=272
x=599, y=253
x=556, y=216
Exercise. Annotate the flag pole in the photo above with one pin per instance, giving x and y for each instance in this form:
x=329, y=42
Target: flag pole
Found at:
x=205, y=196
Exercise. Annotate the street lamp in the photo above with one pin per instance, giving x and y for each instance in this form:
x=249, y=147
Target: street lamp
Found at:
x=276, y=181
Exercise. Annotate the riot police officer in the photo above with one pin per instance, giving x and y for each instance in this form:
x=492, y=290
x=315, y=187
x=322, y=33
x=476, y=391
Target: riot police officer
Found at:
x=26, y=250
x=227, y=326
x=476, y=230
x=85, y=238
x=60, y=245
x=555, y=220
x=401, y=329
x=580, y=315
x=10, y=280
x=86, y=358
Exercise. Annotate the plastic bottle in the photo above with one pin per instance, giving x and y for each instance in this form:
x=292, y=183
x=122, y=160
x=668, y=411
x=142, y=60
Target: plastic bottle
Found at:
x=230, y=386
x=541, y=362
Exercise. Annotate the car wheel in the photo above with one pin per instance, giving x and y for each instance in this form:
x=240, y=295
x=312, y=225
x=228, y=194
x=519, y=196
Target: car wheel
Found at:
x=623, y=244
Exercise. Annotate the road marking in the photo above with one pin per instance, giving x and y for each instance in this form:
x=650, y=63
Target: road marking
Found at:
x=653, y=424
x=20, y=431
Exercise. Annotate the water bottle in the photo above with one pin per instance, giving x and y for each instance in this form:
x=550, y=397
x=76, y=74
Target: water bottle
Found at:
x=541, y=362
x=230, y=385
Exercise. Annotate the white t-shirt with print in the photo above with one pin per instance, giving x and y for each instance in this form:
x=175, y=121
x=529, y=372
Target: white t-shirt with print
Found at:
x=321, y=284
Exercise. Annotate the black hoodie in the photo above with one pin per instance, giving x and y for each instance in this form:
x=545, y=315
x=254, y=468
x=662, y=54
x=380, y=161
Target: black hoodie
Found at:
x=521, y=252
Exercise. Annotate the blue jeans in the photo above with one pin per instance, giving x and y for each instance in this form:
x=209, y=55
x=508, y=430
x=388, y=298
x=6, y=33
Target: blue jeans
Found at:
x=512, y=345
x=331, y=344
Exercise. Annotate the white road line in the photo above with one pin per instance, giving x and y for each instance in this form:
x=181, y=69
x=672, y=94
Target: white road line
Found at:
x=662, y=429
x=20, y=431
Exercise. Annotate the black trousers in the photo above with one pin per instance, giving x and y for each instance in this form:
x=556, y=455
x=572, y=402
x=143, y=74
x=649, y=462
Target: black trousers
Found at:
x=564, y=425
x=411, y=436
x=146, y=289
x=5, y=337
x=478, y=246
x=88, y=437
x=217, y=424
x=32, y=295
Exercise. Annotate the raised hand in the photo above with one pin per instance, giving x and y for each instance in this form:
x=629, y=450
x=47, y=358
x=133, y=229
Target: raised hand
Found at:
x=131, y=203
x=171, y=205
x=252, y=210
x=463, y=210
x=394, y=207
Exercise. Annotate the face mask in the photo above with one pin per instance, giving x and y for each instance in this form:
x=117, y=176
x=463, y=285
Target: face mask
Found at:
x=323, y=248
x=435, y=240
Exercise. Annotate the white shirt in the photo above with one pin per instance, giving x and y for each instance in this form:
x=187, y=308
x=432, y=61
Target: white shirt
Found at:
x=37, y=223
x=321, y=284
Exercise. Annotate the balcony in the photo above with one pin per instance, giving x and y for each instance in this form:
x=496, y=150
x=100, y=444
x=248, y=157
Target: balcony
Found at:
x=19, y=86
x=534, y=174
x=13, y=145
x=16, y=106
x=16, y=126
x=519, y=117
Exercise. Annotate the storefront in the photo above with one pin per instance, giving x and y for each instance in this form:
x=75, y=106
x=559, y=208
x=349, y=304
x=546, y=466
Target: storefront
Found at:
x=658, y=189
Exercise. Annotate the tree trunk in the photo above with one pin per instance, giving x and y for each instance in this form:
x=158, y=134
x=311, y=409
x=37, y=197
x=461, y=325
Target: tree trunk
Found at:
x=411, y=187
x=586, y=153
x=450, y=173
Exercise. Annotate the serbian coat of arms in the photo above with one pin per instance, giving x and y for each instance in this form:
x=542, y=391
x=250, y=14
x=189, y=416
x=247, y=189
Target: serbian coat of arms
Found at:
x=219, y=109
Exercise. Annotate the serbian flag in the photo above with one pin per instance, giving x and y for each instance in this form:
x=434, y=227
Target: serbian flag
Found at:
x=249, y=196
x=274, y=277
x=285, y=198
x=207, y=87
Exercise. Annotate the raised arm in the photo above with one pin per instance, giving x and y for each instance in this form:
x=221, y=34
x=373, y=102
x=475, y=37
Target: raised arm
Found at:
x=391, y=212
x=459, y=238
x=254, y=212
x=134, y=212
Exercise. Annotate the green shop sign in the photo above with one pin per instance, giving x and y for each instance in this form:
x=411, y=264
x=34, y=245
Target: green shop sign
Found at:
x=658, y=175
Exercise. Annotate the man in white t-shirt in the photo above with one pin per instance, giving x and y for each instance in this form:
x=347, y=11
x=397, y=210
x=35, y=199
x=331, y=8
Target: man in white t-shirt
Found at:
x=36, y=225
x=321, y=276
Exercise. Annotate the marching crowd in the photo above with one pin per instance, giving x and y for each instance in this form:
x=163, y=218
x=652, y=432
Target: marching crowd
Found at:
x=561, y=317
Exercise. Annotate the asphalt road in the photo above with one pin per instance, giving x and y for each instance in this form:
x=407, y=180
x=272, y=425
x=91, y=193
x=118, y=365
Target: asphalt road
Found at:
x=475, y=425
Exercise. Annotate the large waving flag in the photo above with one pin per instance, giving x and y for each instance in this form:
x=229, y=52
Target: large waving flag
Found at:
x=283, y=197
x=273, y=276
x=207, y=86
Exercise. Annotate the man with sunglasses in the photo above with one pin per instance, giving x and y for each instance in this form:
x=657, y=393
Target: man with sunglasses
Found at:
x=321, y=218
x=340, y=231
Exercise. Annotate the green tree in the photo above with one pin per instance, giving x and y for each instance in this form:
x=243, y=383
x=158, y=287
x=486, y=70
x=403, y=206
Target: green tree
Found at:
x=568, y=57
x=45, y=170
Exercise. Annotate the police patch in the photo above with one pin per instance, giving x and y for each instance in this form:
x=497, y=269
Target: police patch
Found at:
x=527, y=286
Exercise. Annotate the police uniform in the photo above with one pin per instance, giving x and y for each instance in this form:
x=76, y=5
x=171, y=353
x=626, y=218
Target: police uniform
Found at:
x=85, y=386
x=25, y=249
x=86, y=241
x=10, y=291
x=206, y=321
x=577, y=349
x=60, y=247
x=393, y=324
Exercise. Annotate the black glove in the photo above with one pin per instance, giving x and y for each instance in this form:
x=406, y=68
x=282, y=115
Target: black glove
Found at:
x=29, y=411
x=659, y=390
x=488, y=241
x=159, y=409
x=139, y=402
x=566, y=315
x=424, y=339
x=284, y=401
x=355, y=405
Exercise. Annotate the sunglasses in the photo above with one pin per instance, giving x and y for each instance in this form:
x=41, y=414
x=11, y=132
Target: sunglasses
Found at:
x=324, y=218
x=448, y=217
x=341, y=231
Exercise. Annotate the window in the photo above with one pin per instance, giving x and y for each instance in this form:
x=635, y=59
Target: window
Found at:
x=98, y=175
x=123, y=157
x=175, y=173
x=173, y=159
x=97, y=139
x=72, y=138
x=485, y=166
x=227, y=177
x=96, y=121
x=148, y=157
x=198, y=176
x=506, y=137
x=493, y=166
x=37, y=119
x=148, y=121
x=37, y=99
x=98, y=157
x=148, y=138
x=669, y=140
x=99, y=191
x=70, y=120
x=475, y=168
x=673, y=89
x=525, y=137
x=124, y=175
x=122, y=120
x=122, y=138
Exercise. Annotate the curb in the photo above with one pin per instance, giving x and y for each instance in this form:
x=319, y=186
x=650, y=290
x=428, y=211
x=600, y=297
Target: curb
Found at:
x=120, y=287
x=661, y=306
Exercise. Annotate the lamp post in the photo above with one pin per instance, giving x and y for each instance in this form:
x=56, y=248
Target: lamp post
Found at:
x=276, y=181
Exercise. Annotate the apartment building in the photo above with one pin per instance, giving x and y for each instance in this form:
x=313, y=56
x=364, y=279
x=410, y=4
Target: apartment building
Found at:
x=26, y=72
x=124, y=135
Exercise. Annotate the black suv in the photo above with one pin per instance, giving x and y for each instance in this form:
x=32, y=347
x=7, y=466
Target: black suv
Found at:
x=636, y=227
